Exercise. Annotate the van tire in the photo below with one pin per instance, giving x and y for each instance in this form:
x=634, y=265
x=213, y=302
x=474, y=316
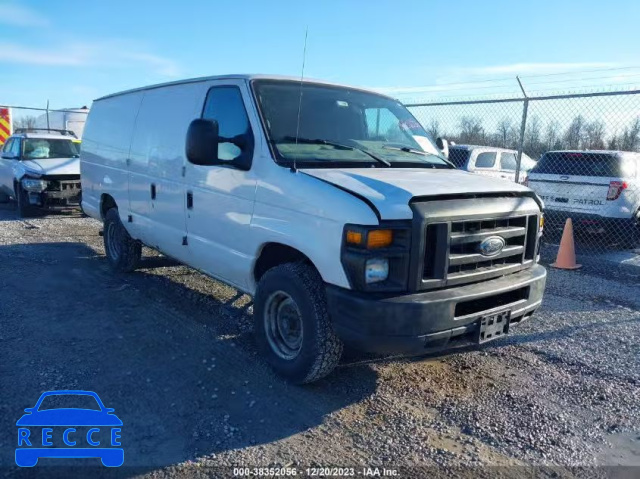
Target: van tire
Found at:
x=22, y=202
x=122, y=251
x=320, y=348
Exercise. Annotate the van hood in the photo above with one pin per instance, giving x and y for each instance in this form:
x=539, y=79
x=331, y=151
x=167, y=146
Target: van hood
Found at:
x=52, y=166
x=391, y=189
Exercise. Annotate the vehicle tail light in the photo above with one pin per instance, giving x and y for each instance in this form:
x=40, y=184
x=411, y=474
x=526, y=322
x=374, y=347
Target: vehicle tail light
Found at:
x=615, y=189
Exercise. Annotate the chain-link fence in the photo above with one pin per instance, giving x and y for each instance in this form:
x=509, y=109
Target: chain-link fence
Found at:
x=15, y=117
x=579, y=152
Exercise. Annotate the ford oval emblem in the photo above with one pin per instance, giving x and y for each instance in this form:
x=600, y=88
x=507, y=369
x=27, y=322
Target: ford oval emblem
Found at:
x=491, y=246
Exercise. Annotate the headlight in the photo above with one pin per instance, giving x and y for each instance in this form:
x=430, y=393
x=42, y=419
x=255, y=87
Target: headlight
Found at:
x=376, y=270
x=31, y=184
x=376, y=258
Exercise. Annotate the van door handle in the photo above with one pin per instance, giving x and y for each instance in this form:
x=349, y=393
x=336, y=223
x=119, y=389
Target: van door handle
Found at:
x=189, y=200
x=153, y=191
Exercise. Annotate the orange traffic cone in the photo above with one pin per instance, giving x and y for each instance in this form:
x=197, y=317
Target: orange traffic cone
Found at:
x=567, y=253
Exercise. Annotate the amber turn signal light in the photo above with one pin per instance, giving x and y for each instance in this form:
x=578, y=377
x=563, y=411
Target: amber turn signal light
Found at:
x=379, y=239
x=354, y=237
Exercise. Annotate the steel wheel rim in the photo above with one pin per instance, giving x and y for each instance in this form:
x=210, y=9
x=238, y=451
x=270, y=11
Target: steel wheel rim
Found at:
x=283, y=325
x=113, y=243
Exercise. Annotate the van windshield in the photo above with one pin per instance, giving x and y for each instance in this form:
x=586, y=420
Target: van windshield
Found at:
x=341, y=127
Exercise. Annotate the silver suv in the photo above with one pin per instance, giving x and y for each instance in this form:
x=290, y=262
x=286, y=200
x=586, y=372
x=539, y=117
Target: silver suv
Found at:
x=40, y=168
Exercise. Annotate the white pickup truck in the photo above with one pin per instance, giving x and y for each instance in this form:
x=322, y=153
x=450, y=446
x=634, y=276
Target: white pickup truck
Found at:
x=329, y=204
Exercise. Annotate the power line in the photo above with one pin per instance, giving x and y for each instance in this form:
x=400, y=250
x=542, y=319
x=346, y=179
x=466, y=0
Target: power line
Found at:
x=512, y=78
x=582, y=79
x=581, y=72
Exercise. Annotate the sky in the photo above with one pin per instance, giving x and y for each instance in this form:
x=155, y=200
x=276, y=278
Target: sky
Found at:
x=70, y=52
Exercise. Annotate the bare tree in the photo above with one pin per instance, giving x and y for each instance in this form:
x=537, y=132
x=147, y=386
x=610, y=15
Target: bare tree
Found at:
x=533, y=137
x=552, y=139
x=505, y=133
x=471, y=130
x=594, y=135
x=27, y=121
x=630, y=140
x=574, y=136
x=434, y=129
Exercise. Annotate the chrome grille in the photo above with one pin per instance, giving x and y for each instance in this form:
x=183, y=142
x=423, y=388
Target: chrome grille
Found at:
x=466, y=237
x=452, y=229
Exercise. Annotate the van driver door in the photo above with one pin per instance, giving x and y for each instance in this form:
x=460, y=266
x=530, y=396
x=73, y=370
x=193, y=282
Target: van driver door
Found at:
x=219, y=199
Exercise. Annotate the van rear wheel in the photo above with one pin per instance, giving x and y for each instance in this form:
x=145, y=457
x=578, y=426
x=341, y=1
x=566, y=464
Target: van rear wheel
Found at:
x=123, y=252
x=292, y=325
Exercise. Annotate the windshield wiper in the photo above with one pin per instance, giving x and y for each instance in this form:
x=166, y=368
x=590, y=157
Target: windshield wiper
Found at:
x=340, y=146
x=406, y=149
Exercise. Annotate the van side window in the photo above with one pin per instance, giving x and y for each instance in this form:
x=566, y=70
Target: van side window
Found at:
x=224, y=104
x=486, y=160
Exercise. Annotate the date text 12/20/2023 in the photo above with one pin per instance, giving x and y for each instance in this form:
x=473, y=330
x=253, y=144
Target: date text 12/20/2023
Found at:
x=314, y=472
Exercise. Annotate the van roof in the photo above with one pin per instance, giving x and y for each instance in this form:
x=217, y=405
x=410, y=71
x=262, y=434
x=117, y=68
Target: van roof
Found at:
x=237, y=77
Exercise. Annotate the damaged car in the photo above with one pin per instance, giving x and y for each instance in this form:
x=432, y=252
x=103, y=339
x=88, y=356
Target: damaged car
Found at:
x=40, y=169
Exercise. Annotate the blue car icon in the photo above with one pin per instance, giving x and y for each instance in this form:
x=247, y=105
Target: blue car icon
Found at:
x=69, y=432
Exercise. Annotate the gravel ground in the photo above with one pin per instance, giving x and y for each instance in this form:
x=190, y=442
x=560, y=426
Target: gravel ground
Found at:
x=172, y=352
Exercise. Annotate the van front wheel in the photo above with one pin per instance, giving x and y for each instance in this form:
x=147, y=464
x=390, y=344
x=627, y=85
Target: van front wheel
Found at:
x=123, y=252
x=291, y=323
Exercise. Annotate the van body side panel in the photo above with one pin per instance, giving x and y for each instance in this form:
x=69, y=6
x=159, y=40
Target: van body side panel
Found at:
x=308, y=214
x=104, y=152
x=156, y=185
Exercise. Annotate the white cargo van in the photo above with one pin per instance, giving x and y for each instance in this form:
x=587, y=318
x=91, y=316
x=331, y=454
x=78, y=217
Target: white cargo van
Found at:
x=295, y=193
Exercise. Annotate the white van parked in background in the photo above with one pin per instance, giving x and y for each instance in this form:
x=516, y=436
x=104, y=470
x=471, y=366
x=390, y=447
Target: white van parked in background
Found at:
x=293, y=192
x=490, y=161
x=599, y=190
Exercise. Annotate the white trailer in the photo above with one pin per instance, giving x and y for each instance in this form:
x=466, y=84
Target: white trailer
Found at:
x=66, y=119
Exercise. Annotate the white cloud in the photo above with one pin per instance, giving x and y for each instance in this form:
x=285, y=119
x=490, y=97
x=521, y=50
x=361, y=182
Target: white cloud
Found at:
x=20, y=16
x=532, y=68
x=106, y=54
x=15, y=53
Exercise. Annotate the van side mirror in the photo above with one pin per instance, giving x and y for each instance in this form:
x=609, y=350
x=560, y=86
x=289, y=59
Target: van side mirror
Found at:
x=443, y=145
x=202, y=142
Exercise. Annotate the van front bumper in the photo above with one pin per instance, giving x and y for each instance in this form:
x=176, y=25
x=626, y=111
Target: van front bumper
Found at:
x=423, y=322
